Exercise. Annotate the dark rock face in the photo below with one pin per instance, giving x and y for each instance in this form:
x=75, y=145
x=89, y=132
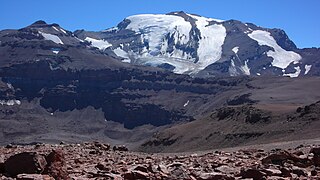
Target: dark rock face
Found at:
x=27, y=162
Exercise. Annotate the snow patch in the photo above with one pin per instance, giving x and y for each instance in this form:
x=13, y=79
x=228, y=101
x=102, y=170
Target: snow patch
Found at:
x=308, y=68
x=51, y=37
x=281, y=57
x=121, y=53
x=296, y=74
x=62, y=30
x=10, y=102
x=56, y=52
x=55, y=28
x=235, y=49
x=233, y=69
x=100, y=44
x=245, y=69
x=186, y=104
x=9, y=85
x=210, y=43
x=258, y=74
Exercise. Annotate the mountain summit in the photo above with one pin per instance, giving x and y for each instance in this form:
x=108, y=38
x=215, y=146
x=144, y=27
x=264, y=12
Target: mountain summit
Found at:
x=191, y=44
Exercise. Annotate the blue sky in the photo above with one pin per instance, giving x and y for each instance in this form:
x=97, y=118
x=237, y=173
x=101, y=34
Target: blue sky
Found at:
x=299, y=18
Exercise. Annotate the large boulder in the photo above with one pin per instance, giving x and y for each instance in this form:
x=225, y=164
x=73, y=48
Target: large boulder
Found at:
x=25, y=163
x=56, y=167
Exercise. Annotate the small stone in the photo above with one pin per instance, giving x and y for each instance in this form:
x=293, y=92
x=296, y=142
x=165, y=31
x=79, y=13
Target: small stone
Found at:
x=273, y=172
x=214, y=176
x=34, y=177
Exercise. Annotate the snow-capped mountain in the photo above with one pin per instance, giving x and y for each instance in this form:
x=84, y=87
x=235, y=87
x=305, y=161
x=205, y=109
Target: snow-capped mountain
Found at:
x=190, y=44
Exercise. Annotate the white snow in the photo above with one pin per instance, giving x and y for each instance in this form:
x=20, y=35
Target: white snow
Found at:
x=55, y=52
x=281, y=57
x=186, y=104
x=9, y=85
x=295, y=74
x=62, y=30
x=245, y=69
x=55, y=28
x=10, y=102
x=78, y=39
x=100, y=44
x=121, y=53
x=233, y=69
x=258, y=74
x=235, y=49
x=154, y=27
x=51, y=37
x=308, y=68
x=210, y=44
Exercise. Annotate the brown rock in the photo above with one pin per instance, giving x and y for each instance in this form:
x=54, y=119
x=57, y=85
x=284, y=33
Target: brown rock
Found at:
x=315, y=151
x=101, y=146
x=163, y=169
x=281, y=157
x=314, y=173
x=299, y=171
x=26, y=162
x=2, y=170
x=278, y=158
x=285, y=172
x=56, y=165
x=120, y=148
x=141, y=168
x=214, y=176
x=34, y=177
x=132, y=175
x=272, y=172
x=255, y=174
x=102, y=167
x=316, y=156
x=227, y=170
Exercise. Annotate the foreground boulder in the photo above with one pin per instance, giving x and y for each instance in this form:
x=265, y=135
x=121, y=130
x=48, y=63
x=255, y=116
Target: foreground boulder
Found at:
x=25, y=163
x=56, y=165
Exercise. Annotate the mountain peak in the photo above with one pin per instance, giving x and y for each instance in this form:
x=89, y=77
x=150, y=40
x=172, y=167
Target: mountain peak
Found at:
x=40, y=22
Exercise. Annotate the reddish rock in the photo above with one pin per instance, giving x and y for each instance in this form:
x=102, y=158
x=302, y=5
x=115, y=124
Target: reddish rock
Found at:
x=133, y=175
x=316, y=156
x=214, y=176
x=34, y=177
x=26, y=162
x=141, y=168
x=2, y=168
x=272, y=172
x=102, y=167
x=56, y=165
x=120, y=148
x=277, y=158
x=101, y=146
x=285, y=172
x=255, y=174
